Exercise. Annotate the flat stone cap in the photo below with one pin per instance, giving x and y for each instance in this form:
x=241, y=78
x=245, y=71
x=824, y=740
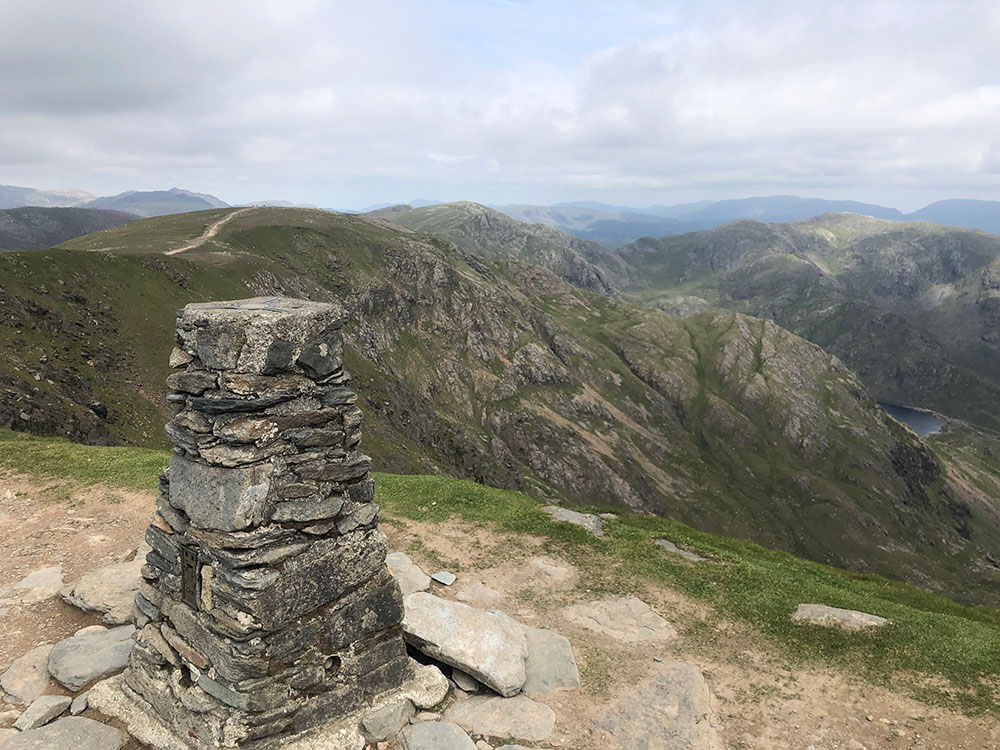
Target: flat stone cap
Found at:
x=264, y=335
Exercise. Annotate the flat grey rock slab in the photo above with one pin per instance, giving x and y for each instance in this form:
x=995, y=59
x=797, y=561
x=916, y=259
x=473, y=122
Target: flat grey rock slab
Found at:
x=517, y=718
x=628, y=619
x=42, y=711
x=479, y=594
x=549, y=665
x=70, y=733
x=90, y=654
x=588, y=521
x=832, y=617
x=109, y=591
x=671, y=710
x=35, y=587
x=409, y=575
x=436, y=735
x=668, y=546
x=28, y=677
x=490, y=646
x=444, y=577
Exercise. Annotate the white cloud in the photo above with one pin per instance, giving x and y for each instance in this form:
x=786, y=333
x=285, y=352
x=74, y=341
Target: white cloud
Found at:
x=350, y=103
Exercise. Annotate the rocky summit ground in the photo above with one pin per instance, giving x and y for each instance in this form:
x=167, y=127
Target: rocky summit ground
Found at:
x=646, y=653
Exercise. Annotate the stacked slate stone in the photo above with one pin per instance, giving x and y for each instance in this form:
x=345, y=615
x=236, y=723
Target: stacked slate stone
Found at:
x=266, y=606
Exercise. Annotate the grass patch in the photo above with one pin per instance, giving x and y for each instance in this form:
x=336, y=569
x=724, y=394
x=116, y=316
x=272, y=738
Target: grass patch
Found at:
x=54, y=458
x=930, y=637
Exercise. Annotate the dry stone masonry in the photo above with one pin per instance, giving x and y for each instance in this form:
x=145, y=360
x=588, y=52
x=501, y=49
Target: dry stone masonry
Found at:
x=266, y=606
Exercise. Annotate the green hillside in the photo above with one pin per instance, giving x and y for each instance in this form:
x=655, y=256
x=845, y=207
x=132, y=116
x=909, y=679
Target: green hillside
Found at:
x=503, y=373
x=33, y=228
x=934, y=649
x=914, y=309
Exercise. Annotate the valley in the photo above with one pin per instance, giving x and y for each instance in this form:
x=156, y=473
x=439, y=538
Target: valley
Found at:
x=490, y=366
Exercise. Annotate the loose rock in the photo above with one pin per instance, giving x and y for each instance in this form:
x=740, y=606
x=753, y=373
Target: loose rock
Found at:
x=28, y=677
x=518, y=718
x=109, y=591
x=384, y=723
x=443, y=577
x=627, y=619
x=411, y=578
x=89, y=655
x=550, y=665
x=435, y=735
x=79, y=704
x=42, y=711
x=833, y=617
x=668, y=546
x=669, y=711
x=76, y=733
x=490, y=646
x=465, y=681
x=590, y=522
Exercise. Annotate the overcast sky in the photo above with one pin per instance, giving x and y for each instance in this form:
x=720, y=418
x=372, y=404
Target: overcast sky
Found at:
x=346, y=104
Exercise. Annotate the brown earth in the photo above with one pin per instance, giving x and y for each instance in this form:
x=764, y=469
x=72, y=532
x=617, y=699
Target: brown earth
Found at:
x=762, y=702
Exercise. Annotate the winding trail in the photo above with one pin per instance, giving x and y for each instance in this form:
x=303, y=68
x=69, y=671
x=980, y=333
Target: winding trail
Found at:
x=213, y=229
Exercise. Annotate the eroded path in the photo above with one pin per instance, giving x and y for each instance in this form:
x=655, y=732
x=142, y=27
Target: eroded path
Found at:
x=213, y=229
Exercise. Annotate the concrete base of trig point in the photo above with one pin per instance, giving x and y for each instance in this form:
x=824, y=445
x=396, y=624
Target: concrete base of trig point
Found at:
x=266, y=609
x=427, y=688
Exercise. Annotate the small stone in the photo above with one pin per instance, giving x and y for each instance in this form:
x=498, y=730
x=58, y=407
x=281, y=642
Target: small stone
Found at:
x=28, y=677
x=436, y=735
x=628, y=619
x=444, y=577
x=70, y=733
x=425, y=716
x=833, y=617
x=42, y=711
x=179, y=358
x=588, y=521
x=411, y=578
x=518, y=718
x=90, y=654
x=668, y=546
x=385, y=722
x=465, y=681
x=79, y=704
x=483, y=745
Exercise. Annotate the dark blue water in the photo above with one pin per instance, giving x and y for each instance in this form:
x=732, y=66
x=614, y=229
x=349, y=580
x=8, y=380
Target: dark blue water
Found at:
x=921, y=422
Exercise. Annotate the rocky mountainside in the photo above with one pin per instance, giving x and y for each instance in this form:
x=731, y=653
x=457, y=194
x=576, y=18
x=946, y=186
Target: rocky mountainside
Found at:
x=158, y=202
x=914, y=309
x=33, y=228
x=493, y=235
x=505, y=373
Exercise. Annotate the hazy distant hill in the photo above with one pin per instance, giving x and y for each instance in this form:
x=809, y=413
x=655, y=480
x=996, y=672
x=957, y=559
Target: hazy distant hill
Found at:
x=958, y=212
x=609, y=227
x=12, y=196
x=158, y=202
x=32, y=228
x=913, y=308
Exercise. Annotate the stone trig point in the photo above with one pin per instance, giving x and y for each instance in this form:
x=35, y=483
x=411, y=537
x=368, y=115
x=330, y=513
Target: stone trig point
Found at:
x=266, y=609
